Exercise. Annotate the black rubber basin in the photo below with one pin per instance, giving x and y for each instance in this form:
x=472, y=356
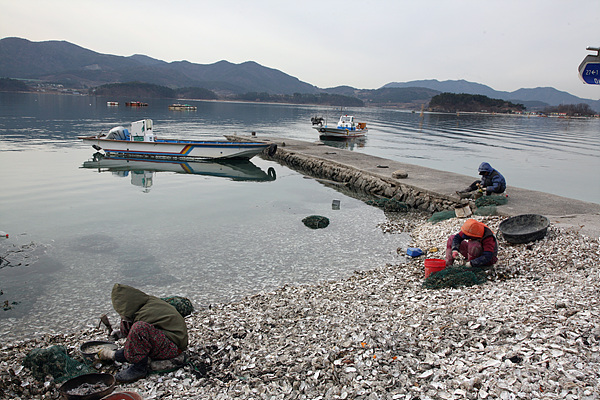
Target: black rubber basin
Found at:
x=524, y=228
x=90, y=379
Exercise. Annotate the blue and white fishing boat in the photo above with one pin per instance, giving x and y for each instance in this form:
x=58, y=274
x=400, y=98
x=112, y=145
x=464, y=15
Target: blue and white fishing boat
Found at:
x=347, y=127
x=139, y=141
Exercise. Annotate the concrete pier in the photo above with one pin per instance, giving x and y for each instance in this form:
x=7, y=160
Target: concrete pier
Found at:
x=423, y=188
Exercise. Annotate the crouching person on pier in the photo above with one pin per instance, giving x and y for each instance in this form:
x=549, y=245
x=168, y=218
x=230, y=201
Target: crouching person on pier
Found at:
x=476, y=243
x=154, y=330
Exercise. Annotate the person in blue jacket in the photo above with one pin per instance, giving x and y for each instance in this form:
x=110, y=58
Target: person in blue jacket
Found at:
x=491, y=182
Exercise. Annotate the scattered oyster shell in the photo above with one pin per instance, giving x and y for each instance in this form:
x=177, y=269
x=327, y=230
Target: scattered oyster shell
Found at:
x=531, y=331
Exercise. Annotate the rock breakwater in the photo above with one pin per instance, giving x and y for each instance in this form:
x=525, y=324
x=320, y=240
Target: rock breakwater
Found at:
x=381, y=185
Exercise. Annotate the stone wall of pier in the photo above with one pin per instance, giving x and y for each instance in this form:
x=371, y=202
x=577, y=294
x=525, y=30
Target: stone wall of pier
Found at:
x=366, y=182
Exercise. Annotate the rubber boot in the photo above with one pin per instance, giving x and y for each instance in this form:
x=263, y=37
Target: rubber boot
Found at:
x=133, y=373
x=120, y=356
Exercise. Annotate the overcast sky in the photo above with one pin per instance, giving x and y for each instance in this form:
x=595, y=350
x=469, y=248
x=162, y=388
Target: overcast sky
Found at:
x=506, y=45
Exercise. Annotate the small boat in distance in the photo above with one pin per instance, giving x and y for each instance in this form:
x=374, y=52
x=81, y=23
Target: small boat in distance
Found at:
x=139, y=141
x=346, y=127
x=182, y=107
x=135, y=104
x=112, y=103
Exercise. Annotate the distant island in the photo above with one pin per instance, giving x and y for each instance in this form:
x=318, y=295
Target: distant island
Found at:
x=147, y=90
x=452, y=103
x=151, y=91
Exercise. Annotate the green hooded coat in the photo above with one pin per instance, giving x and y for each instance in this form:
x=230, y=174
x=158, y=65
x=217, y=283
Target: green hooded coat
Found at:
x=136, y=305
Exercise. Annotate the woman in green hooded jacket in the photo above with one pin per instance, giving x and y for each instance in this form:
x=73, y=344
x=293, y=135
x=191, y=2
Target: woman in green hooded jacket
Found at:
x=154, y=329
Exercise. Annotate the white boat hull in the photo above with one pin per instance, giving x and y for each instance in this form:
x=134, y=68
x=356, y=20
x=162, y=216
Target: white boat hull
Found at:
x=178, y=149
x=325, y=131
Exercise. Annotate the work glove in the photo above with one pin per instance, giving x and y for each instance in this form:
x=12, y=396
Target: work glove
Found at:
x=454, y=254
x=106, y=354
x=117, y=334
x=468, y=264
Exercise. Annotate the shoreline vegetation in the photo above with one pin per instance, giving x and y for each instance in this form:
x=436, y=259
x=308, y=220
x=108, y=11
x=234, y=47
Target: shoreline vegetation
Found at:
x=399, y=98
x=530, y=331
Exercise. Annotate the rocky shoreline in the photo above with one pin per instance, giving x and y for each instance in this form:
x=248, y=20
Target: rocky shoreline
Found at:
x=532, y=332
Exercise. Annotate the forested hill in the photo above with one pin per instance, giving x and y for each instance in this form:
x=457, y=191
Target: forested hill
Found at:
x=13, y=85
x=452, y=102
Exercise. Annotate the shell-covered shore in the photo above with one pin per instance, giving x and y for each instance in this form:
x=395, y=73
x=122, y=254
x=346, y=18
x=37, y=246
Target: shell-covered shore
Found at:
x=532, y=331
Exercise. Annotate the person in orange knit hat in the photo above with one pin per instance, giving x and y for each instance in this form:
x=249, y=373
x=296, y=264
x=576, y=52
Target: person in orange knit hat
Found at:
x=476, y=242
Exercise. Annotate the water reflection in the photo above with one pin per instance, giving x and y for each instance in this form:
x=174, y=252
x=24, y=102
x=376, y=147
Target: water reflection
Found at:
x=142, y=171
x=346, y=143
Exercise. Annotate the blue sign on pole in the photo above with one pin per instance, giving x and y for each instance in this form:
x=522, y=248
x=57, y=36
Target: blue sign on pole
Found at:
x=589, y=69
x=591, y=73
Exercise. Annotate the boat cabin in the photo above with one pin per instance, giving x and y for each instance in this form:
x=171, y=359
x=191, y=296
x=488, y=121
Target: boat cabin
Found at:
x=348, y=122
x=141, y=131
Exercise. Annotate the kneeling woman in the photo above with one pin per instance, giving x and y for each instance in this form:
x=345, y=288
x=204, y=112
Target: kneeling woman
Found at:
x=154, y=329
x=476, y=242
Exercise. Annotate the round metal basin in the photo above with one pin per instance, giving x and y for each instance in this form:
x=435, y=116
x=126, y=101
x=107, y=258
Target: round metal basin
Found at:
x=90, y=349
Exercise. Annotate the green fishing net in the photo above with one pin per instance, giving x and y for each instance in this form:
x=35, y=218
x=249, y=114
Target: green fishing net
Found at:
x=56, y=362
x=182, y=304
x=389, y=204
x=484, y=206
x=453, y=277
x=316, y=221
x=491, y=200
x=485, y=211
x=441, y=216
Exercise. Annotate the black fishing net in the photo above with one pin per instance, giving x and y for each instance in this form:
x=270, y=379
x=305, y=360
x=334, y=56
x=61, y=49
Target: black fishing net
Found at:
x=389, y=205
x=56, y=362
x=182, y=304
x=453, y=277
x=316, y=222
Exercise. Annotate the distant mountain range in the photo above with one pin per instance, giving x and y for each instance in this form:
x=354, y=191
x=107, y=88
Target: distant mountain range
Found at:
x=73, y=66
x=76, y=67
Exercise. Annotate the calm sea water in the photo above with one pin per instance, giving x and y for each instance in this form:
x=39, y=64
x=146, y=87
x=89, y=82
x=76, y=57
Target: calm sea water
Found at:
x=218, y=234
x=231, y=230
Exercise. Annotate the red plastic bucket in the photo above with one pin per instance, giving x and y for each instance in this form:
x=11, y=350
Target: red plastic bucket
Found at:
x=124, y=396
x=433, y=265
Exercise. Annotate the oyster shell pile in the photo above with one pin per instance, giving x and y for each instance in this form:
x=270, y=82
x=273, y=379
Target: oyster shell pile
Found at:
x=531, y=331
